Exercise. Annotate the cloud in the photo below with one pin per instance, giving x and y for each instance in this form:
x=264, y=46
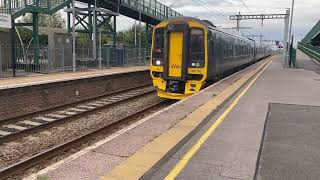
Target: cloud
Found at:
x=306, y=14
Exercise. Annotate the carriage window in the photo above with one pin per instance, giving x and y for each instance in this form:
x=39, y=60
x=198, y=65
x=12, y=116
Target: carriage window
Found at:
x=230, y=48
x=196, y=48
x=158, y=47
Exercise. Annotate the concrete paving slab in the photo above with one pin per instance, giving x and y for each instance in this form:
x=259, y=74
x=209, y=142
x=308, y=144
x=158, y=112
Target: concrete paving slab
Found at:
x=204, y=171
x=291, y=143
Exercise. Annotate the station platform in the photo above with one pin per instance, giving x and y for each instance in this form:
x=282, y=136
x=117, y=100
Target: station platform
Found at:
x=30, y=94
x=260, y=123
x=23, y=81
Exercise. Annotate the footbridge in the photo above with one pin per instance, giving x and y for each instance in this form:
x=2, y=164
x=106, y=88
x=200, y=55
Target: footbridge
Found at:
x=310, y=44
x=94, y=16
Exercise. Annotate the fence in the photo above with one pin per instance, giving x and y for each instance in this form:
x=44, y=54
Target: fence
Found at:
x=60, y=60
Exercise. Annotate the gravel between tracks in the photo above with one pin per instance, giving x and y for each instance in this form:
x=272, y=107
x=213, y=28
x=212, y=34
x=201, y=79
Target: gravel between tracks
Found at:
x=23, y=148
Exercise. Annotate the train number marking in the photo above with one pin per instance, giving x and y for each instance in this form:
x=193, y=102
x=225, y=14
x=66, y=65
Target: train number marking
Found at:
x=196, y=71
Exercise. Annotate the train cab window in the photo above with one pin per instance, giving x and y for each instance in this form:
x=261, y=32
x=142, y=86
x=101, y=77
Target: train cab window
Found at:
x=158, y=47
x=196, y=48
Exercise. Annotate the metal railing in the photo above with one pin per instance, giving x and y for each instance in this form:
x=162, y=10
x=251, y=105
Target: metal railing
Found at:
x=312, y=51
x=12, y=6
x=152, y=7
x=312, y=33
x=60, y=59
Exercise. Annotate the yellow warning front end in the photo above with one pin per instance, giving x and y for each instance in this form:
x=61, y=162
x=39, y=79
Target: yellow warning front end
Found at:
x=179, y=58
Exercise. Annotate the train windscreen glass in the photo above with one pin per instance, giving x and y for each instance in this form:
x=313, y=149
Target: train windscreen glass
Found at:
x=158, y=47
x=196, y=48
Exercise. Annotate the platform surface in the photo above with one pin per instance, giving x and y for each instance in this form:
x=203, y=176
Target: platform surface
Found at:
x=306, y=62
x=291, y=144
x=67, y=76
x=231, y=152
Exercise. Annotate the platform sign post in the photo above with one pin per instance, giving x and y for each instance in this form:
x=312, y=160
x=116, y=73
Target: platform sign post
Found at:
x=139, y=62
x=100, y=49
x=74, y=58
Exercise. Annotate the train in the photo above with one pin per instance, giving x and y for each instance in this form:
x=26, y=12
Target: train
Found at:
x=187, y=53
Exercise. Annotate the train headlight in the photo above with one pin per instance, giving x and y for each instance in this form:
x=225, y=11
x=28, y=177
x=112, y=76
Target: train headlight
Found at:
x=197, y=64
x=158, y=63
x=193, y=64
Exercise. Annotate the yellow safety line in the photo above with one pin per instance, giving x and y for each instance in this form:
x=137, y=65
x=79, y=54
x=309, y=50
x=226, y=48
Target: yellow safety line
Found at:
x=187, y=157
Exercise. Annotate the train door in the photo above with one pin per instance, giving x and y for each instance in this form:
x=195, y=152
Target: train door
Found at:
x=254, y=51
x=218, y=52
x=214, y=51
x=175, y=54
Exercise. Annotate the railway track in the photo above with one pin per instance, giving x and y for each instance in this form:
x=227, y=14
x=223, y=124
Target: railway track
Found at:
x=28, y=124
x=59, y=149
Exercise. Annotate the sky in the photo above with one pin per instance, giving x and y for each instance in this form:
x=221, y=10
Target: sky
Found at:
x=306, y=15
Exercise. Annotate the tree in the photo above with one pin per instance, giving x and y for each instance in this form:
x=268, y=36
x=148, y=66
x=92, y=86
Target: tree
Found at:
x=127, y=37
x=55, y=21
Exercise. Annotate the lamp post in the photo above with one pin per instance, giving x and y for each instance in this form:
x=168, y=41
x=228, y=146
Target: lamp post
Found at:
x=140, y=18
x=74, y=66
